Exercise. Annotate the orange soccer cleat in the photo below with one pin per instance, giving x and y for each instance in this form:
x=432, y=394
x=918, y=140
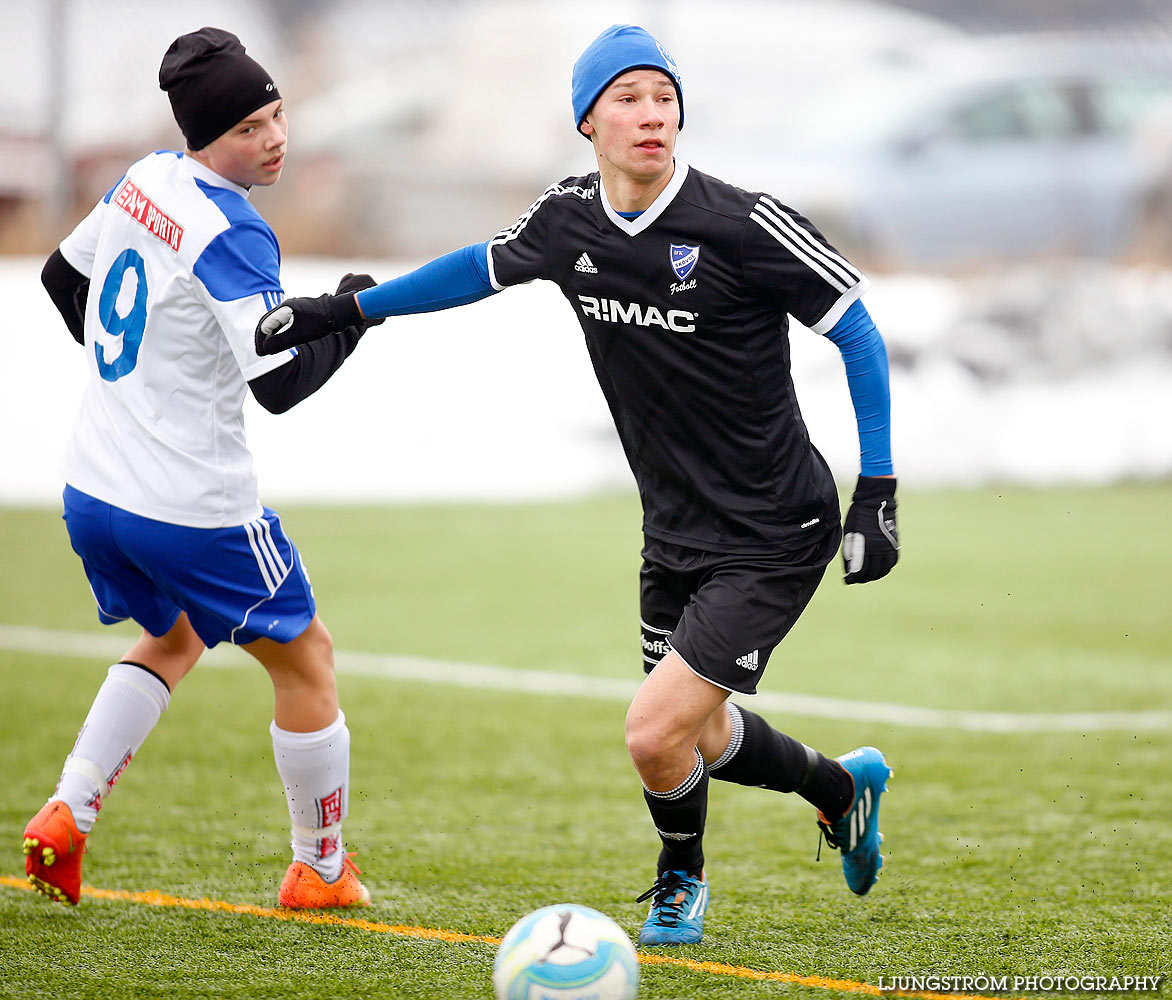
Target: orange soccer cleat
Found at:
x=304, y=889
x=53, y=847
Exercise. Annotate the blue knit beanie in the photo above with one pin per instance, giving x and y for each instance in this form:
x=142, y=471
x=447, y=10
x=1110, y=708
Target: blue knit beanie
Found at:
x=620, y=48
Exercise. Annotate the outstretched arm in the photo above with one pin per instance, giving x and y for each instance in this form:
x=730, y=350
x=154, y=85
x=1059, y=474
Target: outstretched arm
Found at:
x=454, y=279
x=871, y=540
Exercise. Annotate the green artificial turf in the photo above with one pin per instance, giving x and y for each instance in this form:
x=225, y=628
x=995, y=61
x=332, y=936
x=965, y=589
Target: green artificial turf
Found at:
x=1024, y=853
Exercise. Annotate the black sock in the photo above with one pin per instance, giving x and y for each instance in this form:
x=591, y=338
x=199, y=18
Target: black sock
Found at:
x=760, y=756
x=679, y=817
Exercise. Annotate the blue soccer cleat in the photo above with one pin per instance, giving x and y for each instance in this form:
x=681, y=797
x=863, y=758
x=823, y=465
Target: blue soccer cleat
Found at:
x=857, y=834
x=676, y=916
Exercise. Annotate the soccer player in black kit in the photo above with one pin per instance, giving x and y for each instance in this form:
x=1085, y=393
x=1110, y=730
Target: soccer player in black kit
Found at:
x=683, y=286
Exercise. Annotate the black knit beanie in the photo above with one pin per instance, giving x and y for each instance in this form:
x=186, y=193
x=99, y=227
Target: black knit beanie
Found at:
x=212, y=84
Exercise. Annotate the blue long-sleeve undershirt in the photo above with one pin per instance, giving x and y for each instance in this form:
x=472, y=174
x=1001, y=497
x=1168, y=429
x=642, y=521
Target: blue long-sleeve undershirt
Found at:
x=865, y=358
x=460, y=277
x=455, y=279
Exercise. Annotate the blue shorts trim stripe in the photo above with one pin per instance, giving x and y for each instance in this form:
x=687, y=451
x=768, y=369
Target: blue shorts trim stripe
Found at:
x=268, y=559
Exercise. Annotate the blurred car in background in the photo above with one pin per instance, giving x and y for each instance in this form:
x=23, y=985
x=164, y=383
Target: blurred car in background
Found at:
x=467, y=121
x=974, y=151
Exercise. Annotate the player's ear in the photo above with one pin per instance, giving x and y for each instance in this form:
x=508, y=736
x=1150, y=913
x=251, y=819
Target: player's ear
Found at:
x=587, y=127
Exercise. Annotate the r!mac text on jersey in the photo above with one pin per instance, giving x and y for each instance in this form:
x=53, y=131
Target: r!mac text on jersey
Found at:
x=613, y=311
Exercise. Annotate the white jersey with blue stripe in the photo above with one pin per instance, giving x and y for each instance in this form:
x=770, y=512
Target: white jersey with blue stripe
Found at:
x=181, y=268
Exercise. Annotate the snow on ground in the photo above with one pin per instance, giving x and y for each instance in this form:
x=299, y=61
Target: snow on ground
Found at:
x=1036, y=376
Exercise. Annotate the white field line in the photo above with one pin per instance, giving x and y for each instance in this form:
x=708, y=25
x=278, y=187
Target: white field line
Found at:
x=108, y=647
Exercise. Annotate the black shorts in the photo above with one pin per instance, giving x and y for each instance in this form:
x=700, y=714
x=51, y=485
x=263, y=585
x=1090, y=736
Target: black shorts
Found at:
x=722, y=613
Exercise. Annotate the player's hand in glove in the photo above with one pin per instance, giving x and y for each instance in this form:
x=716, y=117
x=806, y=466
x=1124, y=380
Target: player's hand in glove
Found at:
x=300, y=320
x=352, y=284
x=870, y=542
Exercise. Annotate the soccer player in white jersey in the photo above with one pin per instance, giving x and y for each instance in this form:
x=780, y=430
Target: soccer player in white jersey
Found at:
x=163, y=283
x=683, y=286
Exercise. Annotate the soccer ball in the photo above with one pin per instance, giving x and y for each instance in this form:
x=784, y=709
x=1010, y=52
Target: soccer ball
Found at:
x=565, y=952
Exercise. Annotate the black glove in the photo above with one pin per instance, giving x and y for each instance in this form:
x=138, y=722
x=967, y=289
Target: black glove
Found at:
x=350, y=285
x=300, y=320
x=870, y=541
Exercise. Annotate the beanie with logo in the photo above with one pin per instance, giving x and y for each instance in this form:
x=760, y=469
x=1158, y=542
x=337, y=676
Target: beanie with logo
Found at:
x=212, y=84
x=620, y=48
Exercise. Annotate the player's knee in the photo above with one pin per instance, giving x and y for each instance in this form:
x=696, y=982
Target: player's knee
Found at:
x=306, y=662
x=317, y=642
x=649, y=741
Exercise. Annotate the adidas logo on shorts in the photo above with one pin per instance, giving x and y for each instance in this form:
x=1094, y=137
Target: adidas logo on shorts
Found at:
x=748, y=661
x=585, y=265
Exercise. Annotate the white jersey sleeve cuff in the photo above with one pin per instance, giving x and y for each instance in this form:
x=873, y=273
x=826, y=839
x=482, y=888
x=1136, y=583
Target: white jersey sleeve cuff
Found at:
x=492, y=270
x=845, y=301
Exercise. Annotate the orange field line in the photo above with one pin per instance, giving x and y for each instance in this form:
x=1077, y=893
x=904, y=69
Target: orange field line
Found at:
x=151, y=897
x=154, y=898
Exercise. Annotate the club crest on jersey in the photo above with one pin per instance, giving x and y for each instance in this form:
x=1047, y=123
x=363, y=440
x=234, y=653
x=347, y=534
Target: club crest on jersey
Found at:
x=683, y=259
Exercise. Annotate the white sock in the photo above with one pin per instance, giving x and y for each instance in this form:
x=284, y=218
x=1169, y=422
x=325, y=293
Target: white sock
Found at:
x=125, y=710
x=315, y=768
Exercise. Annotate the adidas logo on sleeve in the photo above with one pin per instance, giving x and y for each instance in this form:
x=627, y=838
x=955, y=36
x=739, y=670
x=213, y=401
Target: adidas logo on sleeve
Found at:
x=585, y=265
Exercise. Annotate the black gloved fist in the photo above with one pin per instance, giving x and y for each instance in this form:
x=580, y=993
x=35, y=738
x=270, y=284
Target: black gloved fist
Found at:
x=870, y=541
x=300, y=320
x=353, y=283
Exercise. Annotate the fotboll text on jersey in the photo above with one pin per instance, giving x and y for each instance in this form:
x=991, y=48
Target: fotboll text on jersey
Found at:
x=613, y=311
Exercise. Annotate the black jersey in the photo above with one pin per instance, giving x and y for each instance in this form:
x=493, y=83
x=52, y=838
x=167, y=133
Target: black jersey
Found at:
x=685, y=311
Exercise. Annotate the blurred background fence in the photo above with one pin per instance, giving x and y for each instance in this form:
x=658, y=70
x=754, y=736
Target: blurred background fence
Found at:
x=1003, y=170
